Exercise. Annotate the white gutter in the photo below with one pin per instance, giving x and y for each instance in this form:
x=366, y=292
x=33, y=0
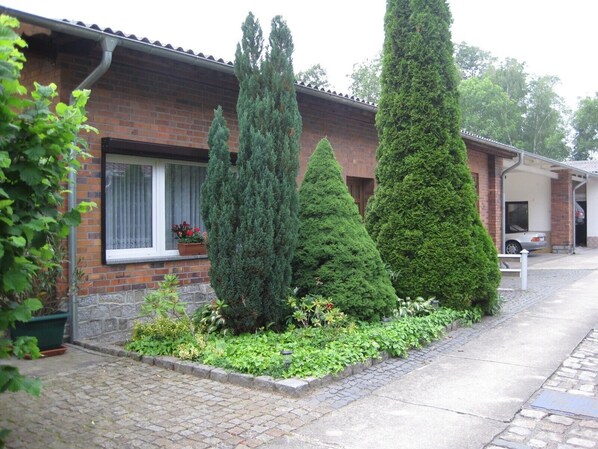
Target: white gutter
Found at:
x=504, y=206
x=108, y=46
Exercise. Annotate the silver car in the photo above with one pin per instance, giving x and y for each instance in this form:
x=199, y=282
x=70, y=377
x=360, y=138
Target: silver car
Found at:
x=518, y=240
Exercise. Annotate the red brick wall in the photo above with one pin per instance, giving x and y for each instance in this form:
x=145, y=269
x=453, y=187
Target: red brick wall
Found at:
x=562, y=212
x=489, y=190
x=158, y=101
x=171, y=103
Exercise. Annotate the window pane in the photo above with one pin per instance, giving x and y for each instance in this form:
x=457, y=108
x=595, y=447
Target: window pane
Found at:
x=128, y=206
x=183, y=203
x=517, y=216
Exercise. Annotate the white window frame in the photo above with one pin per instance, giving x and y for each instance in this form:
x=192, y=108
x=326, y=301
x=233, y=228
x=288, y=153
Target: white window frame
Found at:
x=158, y=248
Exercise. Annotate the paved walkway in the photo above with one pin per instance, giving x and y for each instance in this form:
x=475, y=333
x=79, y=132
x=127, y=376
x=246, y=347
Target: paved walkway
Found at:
x=438, y=397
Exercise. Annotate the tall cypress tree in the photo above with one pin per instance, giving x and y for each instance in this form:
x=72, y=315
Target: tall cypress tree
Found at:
x=251, y=271
x=335, y=256
x=423, y=216
x=285, y=128
x=218, y=209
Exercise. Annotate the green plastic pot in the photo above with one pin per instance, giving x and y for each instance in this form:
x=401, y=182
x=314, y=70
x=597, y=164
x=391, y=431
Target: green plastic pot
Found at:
x=48, y=329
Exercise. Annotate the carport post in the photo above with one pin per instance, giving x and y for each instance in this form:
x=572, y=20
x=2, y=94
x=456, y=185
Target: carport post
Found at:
x=524, y=254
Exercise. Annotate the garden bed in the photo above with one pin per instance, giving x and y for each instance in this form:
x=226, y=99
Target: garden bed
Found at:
x=294, y=387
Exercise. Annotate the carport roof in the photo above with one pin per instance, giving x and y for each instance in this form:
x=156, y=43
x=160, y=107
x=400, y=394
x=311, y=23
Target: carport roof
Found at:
x=589, y=166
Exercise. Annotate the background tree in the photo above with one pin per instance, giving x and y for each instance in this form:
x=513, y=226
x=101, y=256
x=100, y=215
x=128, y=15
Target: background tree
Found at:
x=544, y=130
x=335, y=256
x=423, y=216
x=315, y=75
x=488, y=111
x=585, y=127
x=473, y=62
x=512, y=77
x=253, y=267
x=365, y=79
x=534, y=117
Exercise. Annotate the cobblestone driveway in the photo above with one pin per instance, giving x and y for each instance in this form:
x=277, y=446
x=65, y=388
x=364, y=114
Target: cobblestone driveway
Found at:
x=106, y=402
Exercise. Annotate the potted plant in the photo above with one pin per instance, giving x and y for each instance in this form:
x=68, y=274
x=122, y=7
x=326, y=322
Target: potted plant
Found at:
x=191, y=240
x=48, y=285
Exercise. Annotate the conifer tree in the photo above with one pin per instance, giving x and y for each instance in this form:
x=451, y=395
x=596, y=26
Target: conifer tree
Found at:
x=423, y=216
x=285, y=128
x=253, y=271
x=218, y=208
x=335, y=256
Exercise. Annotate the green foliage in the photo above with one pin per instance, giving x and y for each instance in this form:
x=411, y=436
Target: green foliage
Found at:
x=165, y=301
x=502, y=102
x=317, y=351
x=585, y=127
x=209, y=318
x=315, y=76
x=315, y=311
x=335, y=256
x=254, y=229
x=163, y=336
x=423, y=216
x=472, y=62
x=39, y=147
x=219, y=210
x=500, y=116
x=415, y=307
x=365, y=79
x=544, y=128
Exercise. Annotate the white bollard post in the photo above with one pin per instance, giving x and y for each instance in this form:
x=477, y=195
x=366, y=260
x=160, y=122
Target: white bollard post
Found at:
x=524, y=254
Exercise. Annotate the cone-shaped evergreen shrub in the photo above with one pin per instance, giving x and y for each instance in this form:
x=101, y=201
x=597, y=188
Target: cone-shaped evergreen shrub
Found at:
x=335, y=257
x=423, y=216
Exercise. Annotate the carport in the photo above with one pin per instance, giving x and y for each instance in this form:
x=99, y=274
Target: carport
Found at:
x=542, y=194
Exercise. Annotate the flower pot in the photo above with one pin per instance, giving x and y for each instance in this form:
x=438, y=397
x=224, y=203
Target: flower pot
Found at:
x=49, y=330
x=192, y=249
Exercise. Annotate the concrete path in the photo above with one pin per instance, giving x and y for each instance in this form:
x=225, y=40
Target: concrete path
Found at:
x=464, y=399
x=459, y=392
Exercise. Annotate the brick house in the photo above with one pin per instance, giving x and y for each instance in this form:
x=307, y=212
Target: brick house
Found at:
x=153, y=105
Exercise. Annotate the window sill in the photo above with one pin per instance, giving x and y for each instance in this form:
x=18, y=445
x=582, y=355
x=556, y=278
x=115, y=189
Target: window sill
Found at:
x=152, y=259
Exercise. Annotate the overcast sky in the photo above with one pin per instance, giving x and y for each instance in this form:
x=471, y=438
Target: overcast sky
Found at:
x=554, y=37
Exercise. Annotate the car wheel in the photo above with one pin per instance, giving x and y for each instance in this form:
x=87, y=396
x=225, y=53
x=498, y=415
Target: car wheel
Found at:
x=512, y=247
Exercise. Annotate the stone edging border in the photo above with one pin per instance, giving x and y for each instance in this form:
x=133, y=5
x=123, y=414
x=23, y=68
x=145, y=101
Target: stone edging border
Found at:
x=293, y=387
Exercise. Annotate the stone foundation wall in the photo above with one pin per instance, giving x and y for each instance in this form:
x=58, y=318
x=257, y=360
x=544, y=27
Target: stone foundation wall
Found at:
x=110, y=317
x=592, y=242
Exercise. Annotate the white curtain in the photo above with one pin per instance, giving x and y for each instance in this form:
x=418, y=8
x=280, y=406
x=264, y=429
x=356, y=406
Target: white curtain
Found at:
x=183, y=202
x=128, y=206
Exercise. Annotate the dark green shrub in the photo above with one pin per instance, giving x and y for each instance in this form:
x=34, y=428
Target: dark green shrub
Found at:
x=423, y=216
x=253, y=229
x=335, y=257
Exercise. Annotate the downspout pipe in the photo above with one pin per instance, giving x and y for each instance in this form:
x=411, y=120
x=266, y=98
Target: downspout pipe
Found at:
x=108, y=46
x=502, y=195
x=574, y=203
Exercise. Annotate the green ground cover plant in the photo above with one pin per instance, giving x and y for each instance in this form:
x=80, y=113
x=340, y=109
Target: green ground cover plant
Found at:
x=316, y=351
